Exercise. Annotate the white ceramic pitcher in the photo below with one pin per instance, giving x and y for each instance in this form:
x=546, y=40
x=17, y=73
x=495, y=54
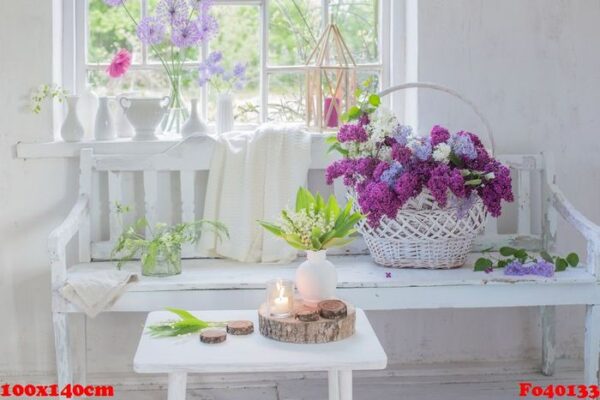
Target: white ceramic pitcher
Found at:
x=144, y=114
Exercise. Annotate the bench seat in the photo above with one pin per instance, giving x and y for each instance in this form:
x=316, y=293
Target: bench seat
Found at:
x=360, y=281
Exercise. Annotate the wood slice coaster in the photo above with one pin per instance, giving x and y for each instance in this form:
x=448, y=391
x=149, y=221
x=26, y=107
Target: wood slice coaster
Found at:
x=294, y=330
x=212, y=336
x=332, y=309
x=308, y=315
x=240, y=327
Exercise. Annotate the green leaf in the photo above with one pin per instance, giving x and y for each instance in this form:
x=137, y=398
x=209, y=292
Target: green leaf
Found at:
x=573, y=259
x=332, y=139
x=353, y=113
x=374, y=100
x=507, y=251
x=546, y=257
x=274, y=229
x=502, y=263
x=337, y=242
x=482, y=264
x=561, y=264
x=183, y=314
x=520, y=254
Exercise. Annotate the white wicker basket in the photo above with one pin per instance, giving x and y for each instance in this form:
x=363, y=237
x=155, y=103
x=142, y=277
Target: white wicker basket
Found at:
x=423, y=235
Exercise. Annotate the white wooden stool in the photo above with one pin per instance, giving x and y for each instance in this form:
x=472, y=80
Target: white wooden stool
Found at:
x=254, y=353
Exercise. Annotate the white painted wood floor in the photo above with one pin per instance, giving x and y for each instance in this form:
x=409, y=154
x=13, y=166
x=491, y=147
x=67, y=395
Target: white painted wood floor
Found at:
x=485, y=385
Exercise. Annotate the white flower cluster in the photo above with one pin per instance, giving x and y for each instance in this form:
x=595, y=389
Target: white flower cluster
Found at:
x=382, y=122
x=441, y=152
x=303, y=222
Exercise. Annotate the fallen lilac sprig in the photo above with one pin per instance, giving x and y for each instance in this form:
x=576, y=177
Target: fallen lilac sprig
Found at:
x=517, y=262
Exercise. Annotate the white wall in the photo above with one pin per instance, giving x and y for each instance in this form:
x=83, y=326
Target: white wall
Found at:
x=533, y=66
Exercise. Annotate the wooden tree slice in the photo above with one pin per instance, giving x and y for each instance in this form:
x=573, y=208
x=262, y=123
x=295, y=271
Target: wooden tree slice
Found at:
x=308, y=315
x=293, y=330
x=240, y=327
x=332, y=309
x=212, y=336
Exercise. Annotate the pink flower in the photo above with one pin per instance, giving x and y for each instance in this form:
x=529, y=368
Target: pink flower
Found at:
x=119, y=64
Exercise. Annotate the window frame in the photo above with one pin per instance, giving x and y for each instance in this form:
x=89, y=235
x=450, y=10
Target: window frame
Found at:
x=73, y=65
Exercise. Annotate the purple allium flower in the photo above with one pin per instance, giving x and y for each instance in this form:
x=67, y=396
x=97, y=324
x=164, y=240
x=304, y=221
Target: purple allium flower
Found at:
x=208, y=26
x=389, y=175
x=352, y=133
x=113, y=3
x=463, y=146
x=401, y=133
x=439, y=134
x=201, y=5
x=421, y=149
x=239, y=71
x=185, y=35
x=539, y=268
x=150, y=30
x=175, y=12
x=214, y=57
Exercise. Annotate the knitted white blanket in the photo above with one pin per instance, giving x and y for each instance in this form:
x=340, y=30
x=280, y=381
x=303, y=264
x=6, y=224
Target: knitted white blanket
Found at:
x=253, y=176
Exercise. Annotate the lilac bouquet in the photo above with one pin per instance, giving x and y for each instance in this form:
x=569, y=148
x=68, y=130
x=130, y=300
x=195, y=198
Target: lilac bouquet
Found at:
x=386, y=164
x=212, y=71
x=175, y=27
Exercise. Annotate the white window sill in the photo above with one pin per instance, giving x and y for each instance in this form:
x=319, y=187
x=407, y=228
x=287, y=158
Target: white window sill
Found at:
x=60, y=149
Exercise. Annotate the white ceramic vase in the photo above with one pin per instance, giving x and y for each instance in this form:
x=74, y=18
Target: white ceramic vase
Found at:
x=316, y=278
x=144, y=114
x=194, y=125
x=71, y=129
x=104, y=128
x=224, y=121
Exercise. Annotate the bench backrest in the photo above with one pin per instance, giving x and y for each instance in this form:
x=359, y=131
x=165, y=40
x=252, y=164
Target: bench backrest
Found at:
x=170, y=186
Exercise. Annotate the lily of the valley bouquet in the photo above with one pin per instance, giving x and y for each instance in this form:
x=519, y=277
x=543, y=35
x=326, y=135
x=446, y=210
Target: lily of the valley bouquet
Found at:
x=386, y=164
x=315, y=224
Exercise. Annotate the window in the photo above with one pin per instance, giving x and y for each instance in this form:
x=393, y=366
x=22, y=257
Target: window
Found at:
x=273, y=37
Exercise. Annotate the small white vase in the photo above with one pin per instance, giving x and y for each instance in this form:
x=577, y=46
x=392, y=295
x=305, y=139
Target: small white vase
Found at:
x=224, y=113
x=316, y=278
x=194, y=125
x=71, y=129
x=104, y=127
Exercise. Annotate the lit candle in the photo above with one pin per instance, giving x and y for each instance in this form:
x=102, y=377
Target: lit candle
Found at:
x=280, y=298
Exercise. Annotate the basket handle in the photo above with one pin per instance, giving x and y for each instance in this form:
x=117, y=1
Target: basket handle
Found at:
x=452, y=92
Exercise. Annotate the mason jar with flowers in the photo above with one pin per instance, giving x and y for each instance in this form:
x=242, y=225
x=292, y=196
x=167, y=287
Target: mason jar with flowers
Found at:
x=315, y=225
x=425, y=198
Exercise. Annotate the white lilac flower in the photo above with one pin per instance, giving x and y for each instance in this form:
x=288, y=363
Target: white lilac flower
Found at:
x=441, y=152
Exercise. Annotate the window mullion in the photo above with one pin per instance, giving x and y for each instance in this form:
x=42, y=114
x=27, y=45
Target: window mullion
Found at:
x=264, y=48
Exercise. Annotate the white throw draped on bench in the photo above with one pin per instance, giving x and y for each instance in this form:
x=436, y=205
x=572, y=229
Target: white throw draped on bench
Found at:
x=253, y=175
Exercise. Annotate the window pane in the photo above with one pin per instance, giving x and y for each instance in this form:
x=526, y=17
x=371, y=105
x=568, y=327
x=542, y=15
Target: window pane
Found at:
x=238, y=40
x=111, y=29
x=294, y=28
x=358, y=21
x=287, y=97
x=141, y=82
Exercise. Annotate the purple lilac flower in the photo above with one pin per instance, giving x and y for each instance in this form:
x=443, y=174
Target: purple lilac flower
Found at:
x=421, y=149
x=400, y=153
x=352, y=133
x=539, y=268
x=364, y=119
x=463, y=205
x=401, y=133
x=494, y=191
x=439, y=134
x=150, y=30
x=389, y=175
x=113, y=3
x=186, y=35
x=376, y=200
x=407, y=186
x=175, y=12
x=463, y=146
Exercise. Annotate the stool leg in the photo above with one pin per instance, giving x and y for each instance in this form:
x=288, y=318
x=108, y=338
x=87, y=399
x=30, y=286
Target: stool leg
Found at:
x=345, y=385
x=177, y=386
x=334, y=384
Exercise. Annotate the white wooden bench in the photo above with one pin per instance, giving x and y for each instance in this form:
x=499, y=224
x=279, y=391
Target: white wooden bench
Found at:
x=221, y=284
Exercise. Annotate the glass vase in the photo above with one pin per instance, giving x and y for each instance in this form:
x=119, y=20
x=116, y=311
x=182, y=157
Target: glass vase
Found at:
x=167, y=263
x=176, y=113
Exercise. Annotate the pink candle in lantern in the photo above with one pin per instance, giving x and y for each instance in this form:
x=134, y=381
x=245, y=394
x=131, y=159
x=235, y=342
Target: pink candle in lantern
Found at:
x=330, y=112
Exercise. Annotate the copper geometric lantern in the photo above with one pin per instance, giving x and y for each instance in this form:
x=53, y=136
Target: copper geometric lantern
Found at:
x=330, y=81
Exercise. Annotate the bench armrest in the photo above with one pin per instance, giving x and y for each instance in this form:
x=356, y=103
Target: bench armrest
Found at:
x=62, y=235
x=567, y=210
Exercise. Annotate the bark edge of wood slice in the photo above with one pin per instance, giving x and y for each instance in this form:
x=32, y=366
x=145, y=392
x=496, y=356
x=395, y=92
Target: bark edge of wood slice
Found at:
x=213, y=336
x=332, y=309
x=240, y=327
x=293, y=330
